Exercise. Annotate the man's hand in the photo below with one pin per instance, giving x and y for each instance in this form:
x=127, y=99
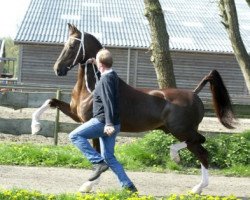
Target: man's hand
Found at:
x=91, y=61
x=109, y=129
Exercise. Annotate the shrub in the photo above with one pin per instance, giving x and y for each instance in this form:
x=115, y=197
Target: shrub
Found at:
x=153, y=150
x=150, y=151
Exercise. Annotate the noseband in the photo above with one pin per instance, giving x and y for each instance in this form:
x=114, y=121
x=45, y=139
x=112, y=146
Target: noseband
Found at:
x=78, y=52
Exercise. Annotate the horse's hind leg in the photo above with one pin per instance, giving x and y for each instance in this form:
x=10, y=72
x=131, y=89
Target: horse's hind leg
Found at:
x=201, y=153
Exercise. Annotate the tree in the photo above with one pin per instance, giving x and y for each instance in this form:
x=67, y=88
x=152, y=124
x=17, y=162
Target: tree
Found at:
x=11, y=51
x=248, y=2
x=161, y=57
x=230, y=21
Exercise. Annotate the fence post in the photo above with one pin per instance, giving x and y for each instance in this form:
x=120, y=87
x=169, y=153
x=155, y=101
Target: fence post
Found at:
x=58, y=96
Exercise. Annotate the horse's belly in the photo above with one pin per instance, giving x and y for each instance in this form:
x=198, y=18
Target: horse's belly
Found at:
x=144, y=123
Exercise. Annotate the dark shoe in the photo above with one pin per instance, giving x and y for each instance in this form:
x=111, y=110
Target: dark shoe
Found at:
x=131, y=189
x=99, y=169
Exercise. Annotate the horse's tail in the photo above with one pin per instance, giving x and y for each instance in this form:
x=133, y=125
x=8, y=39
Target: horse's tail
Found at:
x=221, y=100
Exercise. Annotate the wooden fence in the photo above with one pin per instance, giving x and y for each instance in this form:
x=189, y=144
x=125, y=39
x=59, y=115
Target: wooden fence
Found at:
x=33, y=97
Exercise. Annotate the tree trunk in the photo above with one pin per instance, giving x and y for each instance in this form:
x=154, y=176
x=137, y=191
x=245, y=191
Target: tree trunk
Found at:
x=248, y=2
x=230, y=21
x=161, y=57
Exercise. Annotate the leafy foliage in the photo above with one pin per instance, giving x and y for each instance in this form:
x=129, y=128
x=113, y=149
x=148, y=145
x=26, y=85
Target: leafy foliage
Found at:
x=11, y=51
x=150, y=152
x=10, y=48
x=153, y=150
x=20, y=194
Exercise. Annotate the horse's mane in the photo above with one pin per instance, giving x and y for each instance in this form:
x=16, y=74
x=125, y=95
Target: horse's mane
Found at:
x=93, y=38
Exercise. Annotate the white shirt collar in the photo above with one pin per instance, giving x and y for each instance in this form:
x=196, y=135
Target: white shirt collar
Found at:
x=106, y=71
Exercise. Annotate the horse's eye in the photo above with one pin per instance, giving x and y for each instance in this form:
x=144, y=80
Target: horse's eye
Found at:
x=71, y=46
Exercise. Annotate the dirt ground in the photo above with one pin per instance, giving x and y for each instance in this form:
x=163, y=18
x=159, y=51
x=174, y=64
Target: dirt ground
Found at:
x=61, y=180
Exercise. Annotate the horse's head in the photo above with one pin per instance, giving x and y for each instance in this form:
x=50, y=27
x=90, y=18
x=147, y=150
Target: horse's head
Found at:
x=78, y=48
x=70, y=54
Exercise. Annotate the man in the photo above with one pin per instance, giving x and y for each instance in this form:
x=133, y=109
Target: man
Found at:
x=105, y=123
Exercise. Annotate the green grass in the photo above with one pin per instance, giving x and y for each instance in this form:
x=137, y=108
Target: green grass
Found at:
x=19, y=194
x=41, y=155
x=228, y=155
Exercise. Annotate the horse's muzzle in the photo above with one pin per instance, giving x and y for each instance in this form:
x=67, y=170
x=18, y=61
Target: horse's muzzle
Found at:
x=60, y=72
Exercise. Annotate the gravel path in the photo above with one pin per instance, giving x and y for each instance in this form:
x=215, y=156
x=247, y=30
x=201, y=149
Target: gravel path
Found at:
x=61, y=180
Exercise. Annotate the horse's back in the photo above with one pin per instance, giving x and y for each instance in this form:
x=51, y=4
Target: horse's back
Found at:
x=139, y=111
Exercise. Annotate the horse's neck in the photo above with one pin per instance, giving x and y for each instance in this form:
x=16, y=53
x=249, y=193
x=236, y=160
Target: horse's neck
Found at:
x=80, y=85
x=80, y=94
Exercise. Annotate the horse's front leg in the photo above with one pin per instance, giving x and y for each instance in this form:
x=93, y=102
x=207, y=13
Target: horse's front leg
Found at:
x=51, y=103
x=62, y=106
x=174, y=148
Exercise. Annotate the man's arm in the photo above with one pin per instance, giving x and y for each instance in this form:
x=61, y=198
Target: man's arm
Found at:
x=108, y=99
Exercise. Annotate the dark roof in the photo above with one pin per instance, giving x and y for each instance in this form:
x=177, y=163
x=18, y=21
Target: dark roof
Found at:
x=195, y=25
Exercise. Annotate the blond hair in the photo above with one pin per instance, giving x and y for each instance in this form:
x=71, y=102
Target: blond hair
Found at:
x=105, y=57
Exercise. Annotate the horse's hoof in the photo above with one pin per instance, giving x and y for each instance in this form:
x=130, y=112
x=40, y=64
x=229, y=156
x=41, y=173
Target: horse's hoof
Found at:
x=35, y=128
x=175, y=156
x=87, y=186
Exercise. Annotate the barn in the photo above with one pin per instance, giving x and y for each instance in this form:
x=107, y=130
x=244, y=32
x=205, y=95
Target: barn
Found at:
x=198, y=40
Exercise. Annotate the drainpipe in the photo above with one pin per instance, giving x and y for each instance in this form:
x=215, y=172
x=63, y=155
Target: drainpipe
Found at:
x=128, y=65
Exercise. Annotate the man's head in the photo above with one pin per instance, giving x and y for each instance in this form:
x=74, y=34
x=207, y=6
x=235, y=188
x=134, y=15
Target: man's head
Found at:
x=104, y=58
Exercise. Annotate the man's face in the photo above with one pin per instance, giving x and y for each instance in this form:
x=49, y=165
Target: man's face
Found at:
x=99, y=64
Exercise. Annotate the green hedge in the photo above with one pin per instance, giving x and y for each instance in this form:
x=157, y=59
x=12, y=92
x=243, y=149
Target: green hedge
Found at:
x=229, y=152
x=153, y=150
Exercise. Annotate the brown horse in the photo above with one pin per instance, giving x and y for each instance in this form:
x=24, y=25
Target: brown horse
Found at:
x=174, y=111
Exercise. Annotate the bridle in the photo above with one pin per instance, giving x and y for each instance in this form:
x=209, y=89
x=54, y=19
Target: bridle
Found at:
x=86, y=63
x=78, y=52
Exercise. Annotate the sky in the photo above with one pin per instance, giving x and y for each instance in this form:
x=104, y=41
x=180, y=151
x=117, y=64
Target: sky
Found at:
x=11, y=15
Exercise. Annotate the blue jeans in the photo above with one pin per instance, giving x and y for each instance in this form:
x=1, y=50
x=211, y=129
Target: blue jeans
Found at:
x=94, y=129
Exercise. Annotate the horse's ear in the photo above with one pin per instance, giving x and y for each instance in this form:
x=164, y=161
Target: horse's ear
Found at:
x=72, y=28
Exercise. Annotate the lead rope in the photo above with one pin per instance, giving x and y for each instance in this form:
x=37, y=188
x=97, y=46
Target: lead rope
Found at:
x=95, y=72
x=86, y=79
